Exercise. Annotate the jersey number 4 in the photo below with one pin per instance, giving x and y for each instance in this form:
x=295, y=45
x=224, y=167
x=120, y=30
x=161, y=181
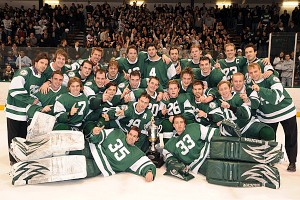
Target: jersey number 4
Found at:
x=119, y=150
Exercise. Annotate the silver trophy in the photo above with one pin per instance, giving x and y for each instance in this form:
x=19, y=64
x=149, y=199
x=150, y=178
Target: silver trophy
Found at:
x=153, y=133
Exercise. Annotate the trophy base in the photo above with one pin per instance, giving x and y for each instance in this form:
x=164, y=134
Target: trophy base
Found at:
x=156, y=158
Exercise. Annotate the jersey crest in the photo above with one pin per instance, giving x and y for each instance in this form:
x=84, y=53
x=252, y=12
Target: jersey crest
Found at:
x=276, y=79
x=212, y=105
x=89, y=83
x=23, y=72
x=71, y=74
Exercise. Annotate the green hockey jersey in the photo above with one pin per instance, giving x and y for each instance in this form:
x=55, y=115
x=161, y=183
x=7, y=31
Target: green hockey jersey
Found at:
x=180, y=105
x=49, y=70
x=275, y=103
x=112, y=154
x=212, y=79
x=231, y=67
x=24, y=85
x=45, y=99
x=159, y=69
x=191, y=147
x=63, y=106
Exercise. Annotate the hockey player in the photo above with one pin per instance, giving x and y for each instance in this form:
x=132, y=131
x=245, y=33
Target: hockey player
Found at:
x=210, y=77
x=112, y=72
x=95, y=58
x=71, y=108
x=201, y=106
x=84, y=73
x=109, y=151
x=154, y=66
x=276, y=106
x=25, y=83
x=195, y=54
x=231, y=64
x=177, y=104
x=135, y=114
x=133, y=62
x=46, y=101
x=266, y=67
x=58, y=64
x=190, y=147
x=233, y=107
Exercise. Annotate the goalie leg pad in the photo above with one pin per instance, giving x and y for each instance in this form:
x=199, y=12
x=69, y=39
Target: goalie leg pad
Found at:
x=41, y=124
x=53, y=144
x=241, y=174
x=49, y=170
x=245, y=149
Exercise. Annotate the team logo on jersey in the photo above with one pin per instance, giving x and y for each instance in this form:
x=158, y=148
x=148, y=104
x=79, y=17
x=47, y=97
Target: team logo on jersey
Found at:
x=71, y=74
x=276, y=79
x=89, y=83
x=23, y=72
x=212, y=105
x=249, y=80
x=121, y=85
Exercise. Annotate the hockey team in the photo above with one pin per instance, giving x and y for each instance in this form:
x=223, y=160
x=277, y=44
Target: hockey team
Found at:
x=218, y=118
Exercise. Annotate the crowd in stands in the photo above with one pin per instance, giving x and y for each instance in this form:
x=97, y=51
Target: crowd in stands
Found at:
x=115, y=28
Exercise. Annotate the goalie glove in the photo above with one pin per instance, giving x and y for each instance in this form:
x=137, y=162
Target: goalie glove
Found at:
x=178, y=169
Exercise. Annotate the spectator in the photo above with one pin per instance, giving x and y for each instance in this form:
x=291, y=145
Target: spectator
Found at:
x=288, y=67
x=23, y=60
x=8, y=73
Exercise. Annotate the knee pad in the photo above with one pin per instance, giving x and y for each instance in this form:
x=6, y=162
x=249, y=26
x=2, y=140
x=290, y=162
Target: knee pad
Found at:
x=267, y=133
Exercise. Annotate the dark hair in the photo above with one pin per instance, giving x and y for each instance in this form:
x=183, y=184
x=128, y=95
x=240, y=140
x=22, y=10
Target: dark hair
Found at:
x=135, y=128
x=178, y=116
x=111, y=84
x=153, y=77
x=174, y=48
x=197, y=82
x=100, y=71
x=204, y=58
x=86, y=61
x=250, y=45
x=135, y=73
x=57, y=72
x=131, y=47
x=40, y=56
x=150, y=45
x=146, y=95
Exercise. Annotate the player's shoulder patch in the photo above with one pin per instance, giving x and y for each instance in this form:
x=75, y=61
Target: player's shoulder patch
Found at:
x=121, y=85
x=89, y=83
x=212, y=105
x=71, y=74
x=248, y=80
x=23, y=72
x=276, y=79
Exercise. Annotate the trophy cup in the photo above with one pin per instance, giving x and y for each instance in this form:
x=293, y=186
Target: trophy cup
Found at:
x=153, y=154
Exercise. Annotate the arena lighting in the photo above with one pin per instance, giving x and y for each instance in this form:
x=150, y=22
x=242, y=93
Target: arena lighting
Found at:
x=290, y=3
x=223, y=3
x=138, y=3
x=52, y=2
